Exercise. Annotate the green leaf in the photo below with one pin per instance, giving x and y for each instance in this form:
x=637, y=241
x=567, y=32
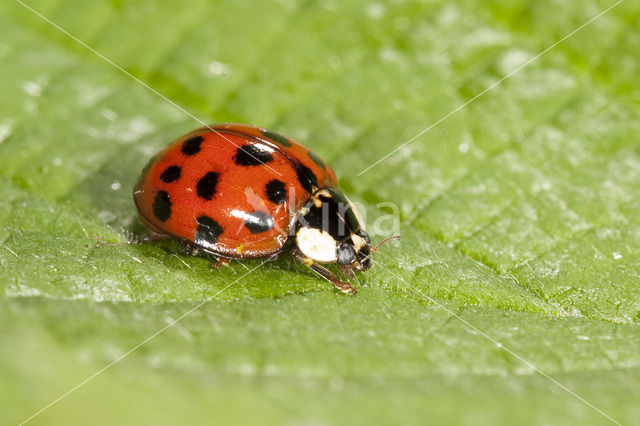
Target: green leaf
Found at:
x=513, y=297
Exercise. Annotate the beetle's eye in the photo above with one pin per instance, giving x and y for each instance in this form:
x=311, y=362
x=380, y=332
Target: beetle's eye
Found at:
x=346, y=254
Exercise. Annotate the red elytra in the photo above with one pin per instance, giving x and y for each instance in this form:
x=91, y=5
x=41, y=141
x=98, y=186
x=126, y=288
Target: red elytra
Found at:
x=231, y=190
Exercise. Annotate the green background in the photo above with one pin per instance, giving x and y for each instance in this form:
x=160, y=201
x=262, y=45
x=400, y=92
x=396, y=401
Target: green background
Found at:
x=519, y=213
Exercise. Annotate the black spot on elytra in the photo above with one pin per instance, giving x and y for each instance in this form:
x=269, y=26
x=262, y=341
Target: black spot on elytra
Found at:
x=171, y=174
x=252, y=155
x=192, y=145
x=208, y=231
x=207, y=185
x=307, y=179
x=276, y=137
x=258, y=222
x=317, y=159
x=276, y=191
x=162, y=206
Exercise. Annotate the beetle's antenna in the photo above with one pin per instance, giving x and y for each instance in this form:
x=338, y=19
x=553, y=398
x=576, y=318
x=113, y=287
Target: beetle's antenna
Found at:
x=386, y=240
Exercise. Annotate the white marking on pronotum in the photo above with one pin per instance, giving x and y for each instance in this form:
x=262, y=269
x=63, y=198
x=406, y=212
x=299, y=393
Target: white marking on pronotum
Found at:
x=317, y=245
x=358, y=242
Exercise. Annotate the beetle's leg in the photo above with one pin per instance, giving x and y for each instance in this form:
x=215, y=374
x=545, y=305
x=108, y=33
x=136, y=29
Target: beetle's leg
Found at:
x=154, y=236
x=324, y=273
x=222, y=261
x=347, y=270
x=189, y=249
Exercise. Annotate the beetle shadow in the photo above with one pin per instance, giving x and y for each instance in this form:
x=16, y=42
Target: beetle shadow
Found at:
x=108, y=192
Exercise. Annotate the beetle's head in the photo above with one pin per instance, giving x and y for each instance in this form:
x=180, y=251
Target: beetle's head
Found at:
x=330, y=229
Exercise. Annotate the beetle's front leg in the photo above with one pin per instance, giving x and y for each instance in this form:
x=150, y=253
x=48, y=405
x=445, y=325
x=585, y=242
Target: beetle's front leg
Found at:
x=222, y=261
x=324, y=273
x=347, y=270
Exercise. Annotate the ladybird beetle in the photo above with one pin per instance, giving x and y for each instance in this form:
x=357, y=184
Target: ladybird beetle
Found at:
x=242, y=192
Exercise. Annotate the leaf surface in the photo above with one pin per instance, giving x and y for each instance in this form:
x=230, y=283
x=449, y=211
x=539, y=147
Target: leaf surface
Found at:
x=513, y=297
